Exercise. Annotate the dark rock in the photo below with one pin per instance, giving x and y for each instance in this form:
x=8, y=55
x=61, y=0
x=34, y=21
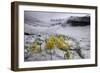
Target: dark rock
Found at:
x=79, y=21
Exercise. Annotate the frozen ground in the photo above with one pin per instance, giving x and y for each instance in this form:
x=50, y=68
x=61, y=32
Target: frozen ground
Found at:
x=81, y=34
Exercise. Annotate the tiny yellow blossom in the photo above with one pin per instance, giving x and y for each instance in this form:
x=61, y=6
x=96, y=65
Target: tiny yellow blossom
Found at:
x=35, y=48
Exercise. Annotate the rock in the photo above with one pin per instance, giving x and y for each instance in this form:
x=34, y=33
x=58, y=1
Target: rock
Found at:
x=79, y=21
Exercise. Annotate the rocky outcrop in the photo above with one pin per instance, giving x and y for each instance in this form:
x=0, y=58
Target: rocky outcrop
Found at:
x=79, y=21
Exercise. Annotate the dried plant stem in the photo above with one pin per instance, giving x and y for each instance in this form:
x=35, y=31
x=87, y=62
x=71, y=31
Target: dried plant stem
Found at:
x=51, y=54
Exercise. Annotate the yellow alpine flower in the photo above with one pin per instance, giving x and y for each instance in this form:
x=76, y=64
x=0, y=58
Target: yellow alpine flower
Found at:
x=61, y=44
x=50, y=43
x=35, y=48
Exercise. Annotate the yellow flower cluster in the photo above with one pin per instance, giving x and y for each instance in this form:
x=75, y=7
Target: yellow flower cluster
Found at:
x=50, y=43
x=35, y=48
x=60, y=42
x=56, y=41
